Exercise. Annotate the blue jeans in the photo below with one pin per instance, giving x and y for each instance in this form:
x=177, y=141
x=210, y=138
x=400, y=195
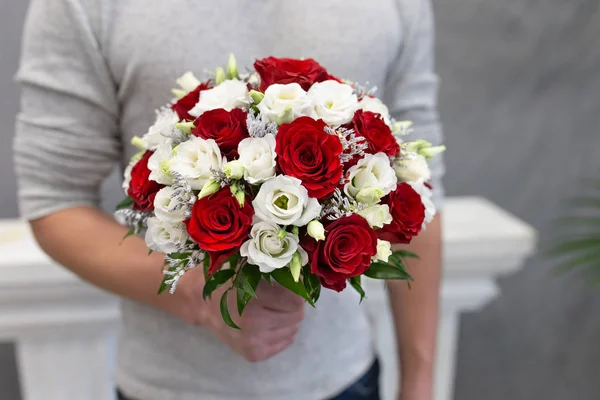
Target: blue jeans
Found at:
x=365, y=388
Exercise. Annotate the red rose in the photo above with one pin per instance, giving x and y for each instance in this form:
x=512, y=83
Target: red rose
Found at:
x=288, y=70
x=378, y=135
x=183, y=106
x=220, y=225
x=305, y=151
x=227, y=128
x=346, y=251
x=408, y=214
x=141, y=189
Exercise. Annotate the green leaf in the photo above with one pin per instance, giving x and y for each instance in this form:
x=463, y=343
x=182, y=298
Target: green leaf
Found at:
x=163, y=284
x=582, y=243
x=248, y=279
x=283, y=276
x=267, y=277
x=216, y=280
x=206, y=262
x=242, y=300
x=150, y=251
x=179, y=256
x=381, y=270
x=355, y=282
x=225, y=311
x=126, y=203
x=404, y=254
x=312, y=284
x=131, y=232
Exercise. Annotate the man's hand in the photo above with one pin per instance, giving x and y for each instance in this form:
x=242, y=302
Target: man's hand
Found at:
x=268, y=325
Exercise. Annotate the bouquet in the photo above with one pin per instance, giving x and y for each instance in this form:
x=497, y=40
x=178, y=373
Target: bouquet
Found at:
x=284, y=173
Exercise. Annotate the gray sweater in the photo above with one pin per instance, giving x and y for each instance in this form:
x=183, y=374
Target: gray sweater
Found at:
x=93, y=72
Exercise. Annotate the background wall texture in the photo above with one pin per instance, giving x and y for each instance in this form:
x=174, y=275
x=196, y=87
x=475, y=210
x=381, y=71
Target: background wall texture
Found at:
x=520, y=101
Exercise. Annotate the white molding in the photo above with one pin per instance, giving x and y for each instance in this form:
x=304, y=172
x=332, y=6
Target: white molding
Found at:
x=64, y=328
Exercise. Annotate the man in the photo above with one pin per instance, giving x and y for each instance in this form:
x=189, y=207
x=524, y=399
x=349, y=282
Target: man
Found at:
x=93, y=71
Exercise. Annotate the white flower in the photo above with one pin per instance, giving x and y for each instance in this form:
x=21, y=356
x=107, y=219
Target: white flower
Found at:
x=158, y=164
x=426, y=194
x=234, y=169
x=195, y=158
x=127, y=173
x=270, y=247
x=285, y=201
x=257, y=155
x=377, y=216
x=384, y=251
x=334, y=102
x=371, y=178
x=282, y=99
x=412, y=168
x=159, y=132
x=375, y=105
x=228, y=95
x=168, y=207
x=187, y=82
x=316, y=230
x=164, y=236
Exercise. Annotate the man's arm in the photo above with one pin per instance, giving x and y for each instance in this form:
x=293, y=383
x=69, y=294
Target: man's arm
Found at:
x=415, y=311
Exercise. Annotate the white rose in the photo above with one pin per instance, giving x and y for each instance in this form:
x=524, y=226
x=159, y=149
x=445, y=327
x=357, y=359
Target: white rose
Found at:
x=375, y=105
x=162, y=128
x=194, y=159
x=158, y=164
x=228, y=95
x=426, y=194
x=269, y=249
x=333, y=102
x=257, y=155
x=164, y=236
x=413, y=168
x=371, y=178
x=377, y=216
x=384, y=251
x=169, y=207
x=282, y=99
x=285, y=201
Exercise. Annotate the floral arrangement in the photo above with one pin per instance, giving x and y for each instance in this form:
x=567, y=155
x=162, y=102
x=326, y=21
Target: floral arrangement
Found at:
x=284, y=173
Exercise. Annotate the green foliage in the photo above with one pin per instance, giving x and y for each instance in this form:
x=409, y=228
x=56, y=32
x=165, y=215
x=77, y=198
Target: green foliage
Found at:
x=283, y=276
x=246, y=283
x=393, y=269
x=216, y=280
x=578, y=244
x=225, y=311
x=355, y=282
x=125, y=203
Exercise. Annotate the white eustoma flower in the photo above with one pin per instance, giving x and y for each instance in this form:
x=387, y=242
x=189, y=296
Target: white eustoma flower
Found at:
x=162, y=128
x=283, y=200
x=159, y=164
x=281, y=99
x=165, y=236
x=333, y=102
x=371, y=178
x=169, y=207
x=413, y=168
x=270, y=248
x=316, y=230
x=384, y=251
x=127, y=173
x=377, y=216
x=426, y=194
x=230, y=94
x=375, y=105
x=195, y=158
x=257, y=155
x=188, y=82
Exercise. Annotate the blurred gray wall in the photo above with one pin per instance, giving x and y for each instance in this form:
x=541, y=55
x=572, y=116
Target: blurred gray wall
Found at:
x=520, y=101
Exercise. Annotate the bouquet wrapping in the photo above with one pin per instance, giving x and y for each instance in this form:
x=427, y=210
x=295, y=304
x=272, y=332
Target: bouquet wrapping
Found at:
x=284, y=173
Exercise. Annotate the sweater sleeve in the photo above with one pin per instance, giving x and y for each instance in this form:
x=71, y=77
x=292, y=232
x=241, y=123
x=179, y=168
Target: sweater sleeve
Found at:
x=67, y=130
x=412, y=84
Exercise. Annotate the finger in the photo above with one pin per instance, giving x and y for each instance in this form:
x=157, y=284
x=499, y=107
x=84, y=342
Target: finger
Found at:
x=279, y=299
x=275, y=349
x=281, y=334
x=258, y=318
